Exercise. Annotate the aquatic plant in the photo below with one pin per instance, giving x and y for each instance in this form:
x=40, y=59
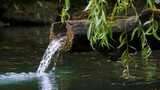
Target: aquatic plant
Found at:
x=100, y=27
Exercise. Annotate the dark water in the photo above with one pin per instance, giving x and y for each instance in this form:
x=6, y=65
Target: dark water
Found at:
x=80, y=71
x=91, y=71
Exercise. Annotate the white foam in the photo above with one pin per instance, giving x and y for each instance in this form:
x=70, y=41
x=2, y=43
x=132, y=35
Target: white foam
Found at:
x=19, y=76
x=9, y=78
x=46, y=81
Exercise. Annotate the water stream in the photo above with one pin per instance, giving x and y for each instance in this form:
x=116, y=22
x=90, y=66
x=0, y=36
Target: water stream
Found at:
x=53, y=47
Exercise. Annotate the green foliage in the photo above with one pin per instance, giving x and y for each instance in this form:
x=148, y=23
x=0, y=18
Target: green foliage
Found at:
x=125, y=62
x=100, y=27
x=146, y=50
x=150, y=3
x=122, y=6
x=65, y=15
x=151, y=30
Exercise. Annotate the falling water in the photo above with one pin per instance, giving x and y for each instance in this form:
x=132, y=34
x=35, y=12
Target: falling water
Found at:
x=53, y=47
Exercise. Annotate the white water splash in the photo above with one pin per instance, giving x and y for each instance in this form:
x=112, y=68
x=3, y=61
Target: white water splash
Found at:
x=46, y=81
x=53, y=47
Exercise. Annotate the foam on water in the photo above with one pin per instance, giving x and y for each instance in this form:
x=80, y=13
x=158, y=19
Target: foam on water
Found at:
x=46, y=81
x=16, y=76
x=53, y=47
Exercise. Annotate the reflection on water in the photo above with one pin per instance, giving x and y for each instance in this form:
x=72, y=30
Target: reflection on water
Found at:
x=47, y=82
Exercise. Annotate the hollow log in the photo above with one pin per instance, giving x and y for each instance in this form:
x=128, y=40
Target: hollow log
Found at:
x=80, y=27
x=148, y=13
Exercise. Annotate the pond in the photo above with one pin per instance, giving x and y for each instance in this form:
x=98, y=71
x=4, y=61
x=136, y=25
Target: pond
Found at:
x=80, y=70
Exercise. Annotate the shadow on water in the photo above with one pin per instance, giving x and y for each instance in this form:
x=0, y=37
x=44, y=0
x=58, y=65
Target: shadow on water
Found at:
x=81, y=71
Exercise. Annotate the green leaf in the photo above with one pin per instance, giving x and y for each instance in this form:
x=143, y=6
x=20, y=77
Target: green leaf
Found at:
x=134, y=32
x=156, y=36
x=121, y=37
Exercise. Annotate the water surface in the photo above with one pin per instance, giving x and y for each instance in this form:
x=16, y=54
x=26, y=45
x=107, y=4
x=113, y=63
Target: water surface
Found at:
x=80, y=71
